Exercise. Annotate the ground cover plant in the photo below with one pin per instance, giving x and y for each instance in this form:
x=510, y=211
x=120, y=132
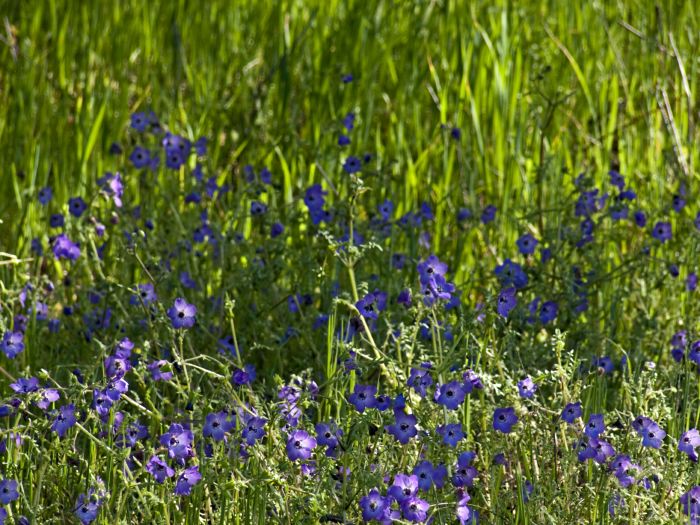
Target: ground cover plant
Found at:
x=348, y=262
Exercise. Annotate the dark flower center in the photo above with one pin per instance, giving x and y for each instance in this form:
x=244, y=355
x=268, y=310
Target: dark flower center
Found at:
x=328, y=435
x=181, y=314
x=297, y=444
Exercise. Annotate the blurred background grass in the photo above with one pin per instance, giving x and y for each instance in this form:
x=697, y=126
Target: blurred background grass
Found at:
x=541, y=90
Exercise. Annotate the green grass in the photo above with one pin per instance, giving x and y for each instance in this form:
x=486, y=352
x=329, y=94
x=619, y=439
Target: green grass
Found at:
x=539, y=89
x=542, y=91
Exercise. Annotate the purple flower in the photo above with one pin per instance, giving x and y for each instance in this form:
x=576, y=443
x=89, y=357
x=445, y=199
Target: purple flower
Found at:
x=64, y=248
x=451, y=433
x=595, y=449
x=159, y=469
x=428, y=475
x=25, y=385
x=352, y=165
x=662, y=231
x=373, y=506
x=437, y=288
x=604, y=365
x=463, y=214
x=146, y=293
x=465, y=514
x=132, y=435
x=243, y=376
x=314, y=198
x=65, y=419
x=471, y=381
x=652, y=434
x=155, y=369
x=57, y=220
x=627, y=473
x=101, y=402
x=595, y=426
x=178, y=439
x=383, y=402
x=253, y=428
x=504, y=419
x=548, y=312
x=431, y=268
x=47, y=397
x=415, y=509
x=328, y=435
x=216, y=425
x=489, y=214
x=404, y=297
x=88, y=506
x=363, y=397
x=76, y=206
x=527, y=387
x=300, y=445
x=571, y=412
x=45, y=195
x=691, y=502
x=678, y=203
x=276, y=230
x=506, y=301
x=420, y=379
x=257, y=208
x=113, y=186
x=8, y=491
x=182, y=314
x=465, y=473
x=688, y=442
x=511, y=274
x=371, y=304
x=527, y=244
x=188, y=479
x=404, y=487
x=139, y=121
x=451, y=395
x=404, y=426
x=116, y=367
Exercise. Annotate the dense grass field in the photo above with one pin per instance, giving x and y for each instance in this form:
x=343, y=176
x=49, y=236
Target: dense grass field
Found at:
x=345, y=262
